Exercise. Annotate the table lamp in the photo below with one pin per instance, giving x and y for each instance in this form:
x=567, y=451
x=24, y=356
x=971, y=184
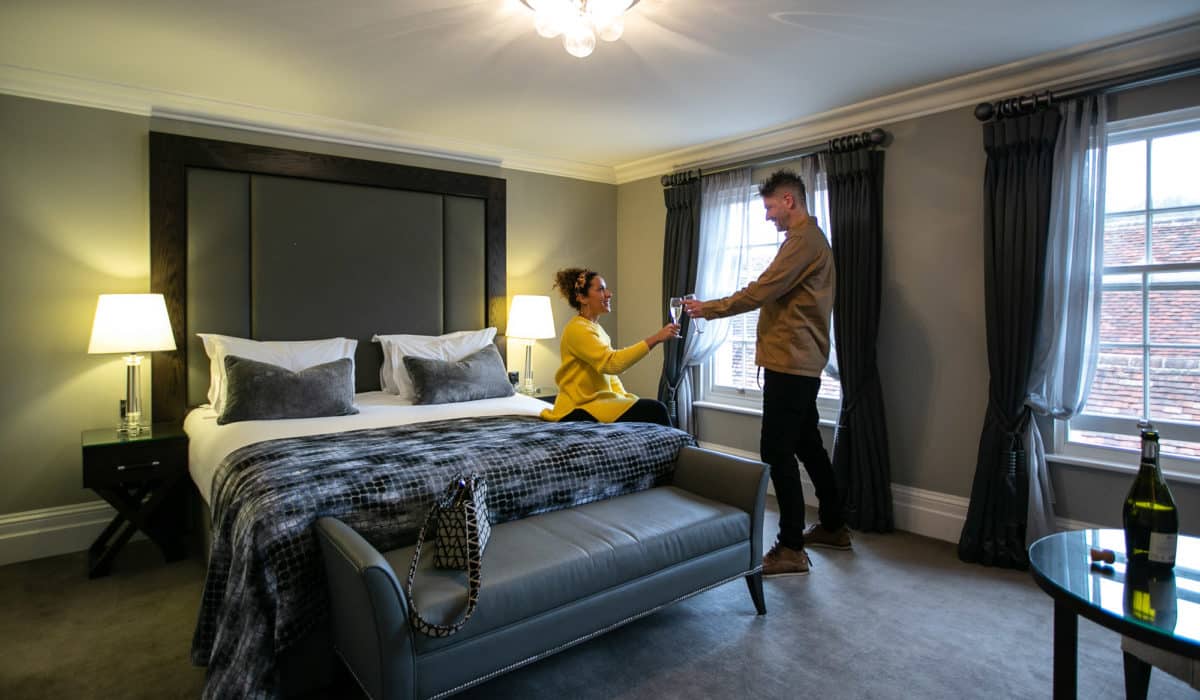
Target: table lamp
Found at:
x=530, y=319
x=130, y=324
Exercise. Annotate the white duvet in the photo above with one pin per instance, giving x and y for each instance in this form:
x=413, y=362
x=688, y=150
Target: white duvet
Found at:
x=209, y=443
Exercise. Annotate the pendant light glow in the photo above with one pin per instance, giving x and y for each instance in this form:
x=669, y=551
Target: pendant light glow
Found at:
x=580, y=22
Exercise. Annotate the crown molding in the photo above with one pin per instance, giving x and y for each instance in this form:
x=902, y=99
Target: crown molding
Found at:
x=1126, y=53
x=1123, y=54
x=23, y=81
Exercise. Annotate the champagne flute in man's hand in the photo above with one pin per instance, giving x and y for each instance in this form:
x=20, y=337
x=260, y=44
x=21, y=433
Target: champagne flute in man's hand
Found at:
x=696, y=320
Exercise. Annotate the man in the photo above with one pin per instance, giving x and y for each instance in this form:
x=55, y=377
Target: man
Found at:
x=794, y=296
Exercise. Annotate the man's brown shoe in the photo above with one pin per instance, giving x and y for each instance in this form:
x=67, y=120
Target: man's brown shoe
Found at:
x=817, y=536
x=785, y=561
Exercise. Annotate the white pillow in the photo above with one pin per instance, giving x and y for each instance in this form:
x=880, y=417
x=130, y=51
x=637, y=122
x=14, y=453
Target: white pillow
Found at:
x=295, y=355
x=450, y=347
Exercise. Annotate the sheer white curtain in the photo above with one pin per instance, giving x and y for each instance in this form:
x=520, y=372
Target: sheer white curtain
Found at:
x=816, y=188
x=812, y=171
x=1067, y=344
x=725, y=200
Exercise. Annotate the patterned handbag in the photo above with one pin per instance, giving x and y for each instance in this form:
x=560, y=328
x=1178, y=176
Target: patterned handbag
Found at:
x=460, y=518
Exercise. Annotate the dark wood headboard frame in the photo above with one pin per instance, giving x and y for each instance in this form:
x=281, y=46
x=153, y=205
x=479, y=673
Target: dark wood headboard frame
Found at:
x=170, y=158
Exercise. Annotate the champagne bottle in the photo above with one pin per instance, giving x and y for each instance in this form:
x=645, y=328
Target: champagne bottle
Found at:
x=1150, y=518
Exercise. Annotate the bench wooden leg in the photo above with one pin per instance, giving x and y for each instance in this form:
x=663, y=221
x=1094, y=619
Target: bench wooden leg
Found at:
x=754, y=582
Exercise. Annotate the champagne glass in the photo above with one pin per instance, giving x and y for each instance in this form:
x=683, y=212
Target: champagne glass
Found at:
x=695, y=321
x=676, y=307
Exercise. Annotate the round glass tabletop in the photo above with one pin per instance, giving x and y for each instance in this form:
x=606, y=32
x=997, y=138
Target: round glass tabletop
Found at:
x=1161, y=609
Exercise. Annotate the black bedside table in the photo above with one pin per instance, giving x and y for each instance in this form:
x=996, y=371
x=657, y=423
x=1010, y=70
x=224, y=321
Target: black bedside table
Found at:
x=141, y=477
x=547, y=394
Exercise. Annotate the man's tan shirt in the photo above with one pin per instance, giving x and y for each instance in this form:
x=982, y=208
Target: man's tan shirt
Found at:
x=795, y=298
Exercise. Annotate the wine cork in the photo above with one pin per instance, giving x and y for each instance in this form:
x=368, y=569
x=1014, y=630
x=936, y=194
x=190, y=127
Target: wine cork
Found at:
x=1105, y=555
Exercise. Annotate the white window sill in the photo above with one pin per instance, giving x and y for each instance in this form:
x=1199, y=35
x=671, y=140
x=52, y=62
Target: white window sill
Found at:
x=729, y=408
x=747, y=411
x=1119, y=467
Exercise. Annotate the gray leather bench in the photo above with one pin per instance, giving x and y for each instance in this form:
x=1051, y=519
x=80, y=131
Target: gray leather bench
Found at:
x=549, y=581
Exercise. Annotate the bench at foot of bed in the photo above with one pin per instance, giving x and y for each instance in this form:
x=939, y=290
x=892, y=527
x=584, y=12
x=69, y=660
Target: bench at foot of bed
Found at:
x=549, y=581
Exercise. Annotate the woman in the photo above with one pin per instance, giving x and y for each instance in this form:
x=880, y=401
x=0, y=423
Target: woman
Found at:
x=588, y=389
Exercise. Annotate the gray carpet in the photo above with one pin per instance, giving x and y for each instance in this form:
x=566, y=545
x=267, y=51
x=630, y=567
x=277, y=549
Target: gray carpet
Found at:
x=898, y=617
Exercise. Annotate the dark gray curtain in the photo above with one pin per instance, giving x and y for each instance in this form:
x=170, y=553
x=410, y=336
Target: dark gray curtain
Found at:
x=1017, y=187
x=681, y=248
x=860, y=445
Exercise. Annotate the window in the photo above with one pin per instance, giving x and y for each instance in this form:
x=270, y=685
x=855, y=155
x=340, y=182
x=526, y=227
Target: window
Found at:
x=1149, y=363
x=730, y=376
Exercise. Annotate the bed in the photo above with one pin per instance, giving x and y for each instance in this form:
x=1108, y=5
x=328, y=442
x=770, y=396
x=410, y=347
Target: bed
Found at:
x=278, y=245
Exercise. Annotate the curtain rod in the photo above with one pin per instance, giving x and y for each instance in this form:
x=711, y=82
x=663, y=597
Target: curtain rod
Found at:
x=841, y=144
x=1024, y=104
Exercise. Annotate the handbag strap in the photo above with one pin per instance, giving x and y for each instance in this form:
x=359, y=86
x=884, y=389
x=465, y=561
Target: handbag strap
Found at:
x=458, y=491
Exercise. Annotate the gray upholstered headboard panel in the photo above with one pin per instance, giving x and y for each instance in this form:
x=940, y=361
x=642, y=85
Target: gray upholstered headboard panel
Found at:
x=283, y=245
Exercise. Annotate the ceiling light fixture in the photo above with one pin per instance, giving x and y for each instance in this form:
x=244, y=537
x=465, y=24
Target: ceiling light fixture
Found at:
x=580, y=21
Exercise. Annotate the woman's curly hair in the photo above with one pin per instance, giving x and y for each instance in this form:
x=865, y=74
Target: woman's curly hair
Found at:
x=572, y=281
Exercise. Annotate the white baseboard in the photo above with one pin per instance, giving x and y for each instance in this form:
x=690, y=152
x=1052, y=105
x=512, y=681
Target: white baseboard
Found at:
x=49, y=532
x=927, y=513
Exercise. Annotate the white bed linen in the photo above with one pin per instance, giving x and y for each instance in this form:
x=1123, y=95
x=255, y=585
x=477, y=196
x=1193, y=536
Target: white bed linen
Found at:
x=209, y=443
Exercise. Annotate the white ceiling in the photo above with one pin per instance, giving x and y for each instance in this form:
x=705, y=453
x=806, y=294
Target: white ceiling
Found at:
x=472, y=76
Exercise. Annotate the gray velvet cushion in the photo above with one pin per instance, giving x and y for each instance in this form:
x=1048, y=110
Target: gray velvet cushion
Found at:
x=262, y=391
x=481, y=375
x=556, y=559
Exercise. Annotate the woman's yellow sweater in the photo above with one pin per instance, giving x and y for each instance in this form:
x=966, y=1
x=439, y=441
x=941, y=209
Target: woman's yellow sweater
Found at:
x=587, y=378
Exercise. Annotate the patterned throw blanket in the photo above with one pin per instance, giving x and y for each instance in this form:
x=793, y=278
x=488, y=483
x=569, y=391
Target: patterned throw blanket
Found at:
x=266, y=586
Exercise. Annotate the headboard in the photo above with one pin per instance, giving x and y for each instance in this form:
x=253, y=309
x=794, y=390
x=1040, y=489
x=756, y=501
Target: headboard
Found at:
x=277, y=244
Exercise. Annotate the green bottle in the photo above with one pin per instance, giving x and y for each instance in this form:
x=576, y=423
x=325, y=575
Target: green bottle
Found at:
x=1150, y=518
x=1151, y=597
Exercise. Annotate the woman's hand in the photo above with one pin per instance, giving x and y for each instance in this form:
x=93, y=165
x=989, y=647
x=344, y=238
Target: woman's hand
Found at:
x=671, y=330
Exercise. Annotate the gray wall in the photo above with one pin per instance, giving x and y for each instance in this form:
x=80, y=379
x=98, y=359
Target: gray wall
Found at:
x=641, y=222
x=932, y=336
x=74, y=223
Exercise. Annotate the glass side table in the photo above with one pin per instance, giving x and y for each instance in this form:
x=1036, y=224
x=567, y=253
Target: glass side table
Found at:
x=1161, y=611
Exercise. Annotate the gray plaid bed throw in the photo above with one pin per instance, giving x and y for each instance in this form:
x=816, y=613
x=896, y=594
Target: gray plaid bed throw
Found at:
x=266, y=588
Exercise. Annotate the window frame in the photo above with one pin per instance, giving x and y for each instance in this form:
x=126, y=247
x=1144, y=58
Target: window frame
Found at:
x=1126, y=131
x=749, y=401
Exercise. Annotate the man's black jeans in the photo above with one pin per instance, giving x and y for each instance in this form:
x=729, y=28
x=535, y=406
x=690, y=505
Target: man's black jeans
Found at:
x=790, y=431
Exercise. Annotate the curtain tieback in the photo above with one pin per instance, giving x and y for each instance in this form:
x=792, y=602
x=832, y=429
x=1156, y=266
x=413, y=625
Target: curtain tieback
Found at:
x=1012, y=447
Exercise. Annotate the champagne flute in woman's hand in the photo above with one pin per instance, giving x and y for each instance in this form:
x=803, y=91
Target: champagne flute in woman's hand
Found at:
x=696, y=320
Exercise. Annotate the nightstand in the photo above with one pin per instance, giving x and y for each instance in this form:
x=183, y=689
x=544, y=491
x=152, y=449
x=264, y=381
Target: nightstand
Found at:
x=547, y=395
x=141, y=477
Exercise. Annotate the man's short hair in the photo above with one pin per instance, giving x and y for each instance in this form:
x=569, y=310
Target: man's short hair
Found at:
x=786, y=180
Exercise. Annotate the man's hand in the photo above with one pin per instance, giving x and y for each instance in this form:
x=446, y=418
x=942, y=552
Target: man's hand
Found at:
x=694, y=308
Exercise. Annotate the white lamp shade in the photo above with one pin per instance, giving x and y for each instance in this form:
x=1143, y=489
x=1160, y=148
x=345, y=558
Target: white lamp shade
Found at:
x=130, y=323
x=530, y=317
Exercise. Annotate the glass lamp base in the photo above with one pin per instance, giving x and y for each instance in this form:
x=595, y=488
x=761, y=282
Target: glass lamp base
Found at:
x=131, y=407
x=527, y=386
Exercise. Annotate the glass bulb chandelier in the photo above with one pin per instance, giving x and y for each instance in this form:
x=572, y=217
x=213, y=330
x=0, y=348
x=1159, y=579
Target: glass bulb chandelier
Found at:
x=580, y=21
